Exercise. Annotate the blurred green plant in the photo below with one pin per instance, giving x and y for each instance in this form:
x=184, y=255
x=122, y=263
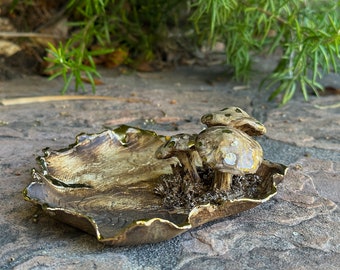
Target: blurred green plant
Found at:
x=307, y=33
x=137, y=26
x=69, y=65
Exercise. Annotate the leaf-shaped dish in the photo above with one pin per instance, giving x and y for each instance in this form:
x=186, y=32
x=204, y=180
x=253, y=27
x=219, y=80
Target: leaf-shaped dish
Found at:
x=105, y=185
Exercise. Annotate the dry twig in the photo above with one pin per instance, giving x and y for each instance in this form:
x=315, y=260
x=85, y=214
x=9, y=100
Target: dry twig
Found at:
x=27, y=100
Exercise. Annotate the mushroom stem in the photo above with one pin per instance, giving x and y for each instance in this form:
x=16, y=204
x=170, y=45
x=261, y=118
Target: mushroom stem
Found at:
x=188, y=165
x=222, y=181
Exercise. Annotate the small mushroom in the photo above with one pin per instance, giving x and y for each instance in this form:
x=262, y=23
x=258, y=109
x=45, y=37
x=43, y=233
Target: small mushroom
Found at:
x=234, y=117
x=182, y=147
x=229, y=152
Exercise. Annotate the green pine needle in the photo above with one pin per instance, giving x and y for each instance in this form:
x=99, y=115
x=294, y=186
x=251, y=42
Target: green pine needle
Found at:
x=307, y=32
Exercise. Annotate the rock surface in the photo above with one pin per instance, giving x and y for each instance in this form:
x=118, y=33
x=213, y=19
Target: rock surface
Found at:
x=297, y=229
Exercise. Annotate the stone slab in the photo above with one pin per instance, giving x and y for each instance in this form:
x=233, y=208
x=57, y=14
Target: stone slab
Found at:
x=297, y=229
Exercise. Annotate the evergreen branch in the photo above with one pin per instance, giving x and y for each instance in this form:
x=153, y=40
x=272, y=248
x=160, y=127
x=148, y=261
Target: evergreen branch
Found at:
x=307, y=32
x=266, y=12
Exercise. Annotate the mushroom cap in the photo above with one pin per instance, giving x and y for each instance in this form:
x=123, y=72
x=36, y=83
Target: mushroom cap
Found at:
x=234, y=117
x=229, y=150
x=178, y=143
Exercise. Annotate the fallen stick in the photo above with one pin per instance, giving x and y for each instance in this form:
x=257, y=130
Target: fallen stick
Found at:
x=332, y=106
x=26, y=34
x=27, y=100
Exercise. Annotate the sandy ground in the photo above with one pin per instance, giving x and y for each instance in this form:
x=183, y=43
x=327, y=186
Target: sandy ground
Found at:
x=297, y=229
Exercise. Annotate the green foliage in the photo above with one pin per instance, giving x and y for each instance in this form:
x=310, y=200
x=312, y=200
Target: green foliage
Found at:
x=69, y=65
x=74, y=60
x=307, y=33
x=135, y=25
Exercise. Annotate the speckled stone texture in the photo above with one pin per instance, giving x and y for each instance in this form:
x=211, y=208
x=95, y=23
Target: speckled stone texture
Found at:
x=297, y=229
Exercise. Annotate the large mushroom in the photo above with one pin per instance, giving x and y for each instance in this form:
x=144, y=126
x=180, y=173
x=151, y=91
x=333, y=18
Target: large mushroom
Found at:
x=182, y=146
x=234, y=117
x=228, y=151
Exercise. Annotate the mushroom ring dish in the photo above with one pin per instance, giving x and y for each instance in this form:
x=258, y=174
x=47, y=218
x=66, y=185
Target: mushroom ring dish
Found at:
x=129, y=186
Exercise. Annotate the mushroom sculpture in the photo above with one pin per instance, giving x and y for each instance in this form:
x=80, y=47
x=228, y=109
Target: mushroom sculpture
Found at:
x=182, y=147
x=234, y=117
x=228, y=151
